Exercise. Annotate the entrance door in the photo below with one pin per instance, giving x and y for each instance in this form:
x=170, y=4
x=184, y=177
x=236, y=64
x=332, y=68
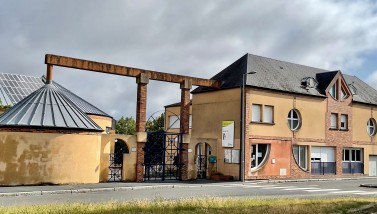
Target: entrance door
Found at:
x=373, y=165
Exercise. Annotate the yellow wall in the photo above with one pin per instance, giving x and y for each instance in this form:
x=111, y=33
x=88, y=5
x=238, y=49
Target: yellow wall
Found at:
x=209, y=110
x=35, y=158
x=312, y=110
x=361, y=115
x=129, y=160
x=174, y=111
x=101, y=121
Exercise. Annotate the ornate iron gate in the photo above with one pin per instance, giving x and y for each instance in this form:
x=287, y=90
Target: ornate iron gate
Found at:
x=201, y=166
x=115, y=166
x=162, y=160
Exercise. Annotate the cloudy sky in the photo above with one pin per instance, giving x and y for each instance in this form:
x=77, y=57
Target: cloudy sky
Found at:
x=196, y=38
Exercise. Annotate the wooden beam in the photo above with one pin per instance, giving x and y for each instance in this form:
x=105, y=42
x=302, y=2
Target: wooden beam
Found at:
x=125, y=71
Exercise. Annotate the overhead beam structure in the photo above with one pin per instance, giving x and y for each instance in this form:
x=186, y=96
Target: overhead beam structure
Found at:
x=70, y=62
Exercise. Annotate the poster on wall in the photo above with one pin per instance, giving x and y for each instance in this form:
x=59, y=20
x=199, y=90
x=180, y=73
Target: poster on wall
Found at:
x=227, y=133
x=231, y=156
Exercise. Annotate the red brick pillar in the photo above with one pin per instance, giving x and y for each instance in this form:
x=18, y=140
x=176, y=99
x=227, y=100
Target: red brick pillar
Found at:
x=185, y=106
x=184, y=126
x=141, y=111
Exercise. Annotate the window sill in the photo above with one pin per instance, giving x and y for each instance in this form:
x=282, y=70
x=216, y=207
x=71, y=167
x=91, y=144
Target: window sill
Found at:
x=263, y=123
x=342, y=130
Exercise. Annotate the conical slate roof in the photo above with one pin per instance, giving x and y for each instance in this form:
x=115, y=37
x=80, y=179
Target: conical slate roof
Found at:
x=47, y=107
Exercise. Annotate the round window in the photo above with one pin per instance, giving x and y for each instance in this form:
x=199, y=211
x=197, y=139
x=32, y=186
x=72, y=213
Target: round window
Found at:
x=371, y=127
x=294, y=120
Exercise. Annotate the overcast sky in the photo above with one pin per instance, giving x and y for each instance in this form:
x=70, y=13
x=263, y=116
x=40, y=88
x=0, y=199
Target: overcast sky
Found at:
x=197, y=38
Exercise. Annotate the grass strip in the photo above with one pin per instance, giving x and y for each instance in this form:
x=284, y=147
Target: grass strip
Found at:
x=204, y=205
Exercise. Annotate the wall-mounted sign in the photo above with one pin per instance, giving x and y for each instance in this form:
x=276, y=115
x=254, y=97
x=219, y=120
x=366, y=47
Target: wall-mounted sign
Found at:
x=227, y=136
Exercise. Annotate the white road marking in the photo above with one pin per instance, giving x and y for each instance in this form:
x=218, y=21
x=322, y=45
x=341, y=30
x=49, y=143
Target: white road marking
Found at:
x=366, y=193
x=309, y=188
x=352, y=192
x=322, y=190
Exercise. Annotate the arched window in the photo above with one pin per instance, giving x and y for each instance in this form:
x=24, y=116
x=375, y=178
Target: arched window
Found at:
x=371, y=127
x=259, y=154
x=294, y=120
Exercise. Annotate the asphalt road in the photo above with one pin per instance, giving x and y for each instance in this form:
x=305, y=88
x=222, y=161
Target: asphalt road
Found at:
x=344, y=188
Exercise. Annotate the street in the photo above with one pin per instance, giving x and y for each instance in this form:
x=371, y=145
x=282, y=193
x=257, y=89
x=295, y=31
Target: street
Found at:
x=310, y=189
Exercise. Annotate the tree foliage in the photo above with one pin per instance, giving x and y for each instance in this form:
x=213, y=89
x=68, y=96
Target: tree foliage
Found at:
x=156, y=124
x=126, y=125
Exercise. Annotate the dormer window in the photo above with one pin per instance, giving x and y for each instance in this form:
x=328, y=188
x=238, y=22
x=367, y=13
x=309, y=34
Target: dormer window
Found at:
x=333, y=91
x=343, y=93
x=352, y=89
x=309, y=82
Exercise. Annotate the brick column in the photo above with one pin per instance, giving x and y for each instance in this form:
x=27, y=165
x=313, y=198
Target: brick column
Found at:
x=141, y=110
x=184, y=126
x=185, y=106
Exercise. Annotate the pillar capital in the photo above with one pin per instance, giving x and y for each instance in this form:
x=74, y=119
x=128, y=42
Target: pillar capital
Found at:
x=142, y=79
x=186, y=84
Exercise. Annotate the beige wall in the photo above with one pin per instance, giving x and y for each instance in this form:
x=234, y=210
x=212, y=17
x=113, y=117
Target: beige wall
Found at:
x=174, y=111
x=209, y=110
x=101, y=121
x=312, y=110
x=129, y=160
x=362, y=113
x=35, y=158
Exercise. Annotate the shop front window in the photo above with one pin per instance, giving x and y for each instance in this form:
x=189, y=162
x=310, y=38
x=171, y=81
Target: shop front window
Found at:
x=259, y=154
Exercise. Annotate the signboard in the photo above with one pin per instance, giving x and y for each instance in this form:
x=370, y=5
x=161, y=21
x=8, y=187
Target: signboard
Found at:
x=227, y=133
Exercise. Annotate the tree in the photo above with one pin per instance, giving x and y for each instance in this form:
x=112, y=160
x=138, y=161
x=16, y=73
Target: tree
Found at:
x=126, y=125
x=156, y=124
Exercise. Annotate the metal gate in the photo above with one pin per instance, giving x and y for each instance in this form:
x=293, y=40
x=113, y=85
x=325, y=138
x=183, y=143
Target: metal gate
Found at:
x=115, y=167
x=201, y=166
x=162, y=160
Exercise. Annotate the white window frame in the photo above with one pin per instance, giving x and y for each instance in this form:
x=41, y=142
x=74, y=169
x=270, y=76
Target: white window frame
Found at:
x=371, y=124
x=333, y=124
x=265, y=116
x=343, y=121
x=298, y=159
x=254, y=114
x=352, y=158
x=174, y=122
x=334, y=91
x=343, y=93
x=291, y=119
x=257, y=164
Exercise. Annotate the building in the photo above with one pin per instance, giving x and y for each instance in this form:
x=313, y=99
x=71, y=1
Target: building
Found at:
x=51, y=135
x=300, y=122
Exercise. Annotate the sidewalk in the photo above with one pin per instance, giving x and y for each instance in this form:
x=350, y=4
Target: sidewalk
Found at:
x=120, y=186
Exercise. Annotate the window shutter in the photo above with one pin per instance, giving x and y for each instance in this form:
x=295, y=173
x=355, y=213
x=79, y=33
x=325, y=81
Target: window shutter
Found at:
x=268, y=114
x=256, y=111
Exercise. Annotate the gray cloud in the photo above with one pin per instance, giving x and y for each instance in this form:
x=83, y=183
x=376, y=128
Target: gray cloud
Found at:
x=185, y=37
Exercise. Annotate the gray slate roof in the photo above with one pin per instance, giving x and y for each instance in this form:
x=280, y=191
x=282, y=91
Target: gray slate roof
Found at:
x=15, y=87
x=285, y=76
x=48, y=107
x=81, y=103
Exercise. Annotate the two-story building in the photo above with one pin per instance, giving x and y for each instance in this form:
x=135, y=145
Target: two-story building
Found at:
x=299, y=122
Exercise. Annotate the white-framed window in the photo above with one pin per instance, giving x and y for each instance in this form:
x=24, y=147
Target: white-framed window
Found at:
x=344, y=122
x=334, y=121
x=371, y=127
x=256, y=113
x=300, y=155
x=259, y=154
x=190, y=121
x=268, y=114
x=352, y=155
x=352, y=89
x=174, y=122
x=343, y=93
x=294, y=120
x=333, y=91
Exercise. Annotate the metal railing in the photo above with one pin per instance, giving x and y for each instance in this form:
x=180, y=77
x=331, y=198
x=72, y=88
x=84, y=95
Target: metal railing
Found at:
x=323, y=168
